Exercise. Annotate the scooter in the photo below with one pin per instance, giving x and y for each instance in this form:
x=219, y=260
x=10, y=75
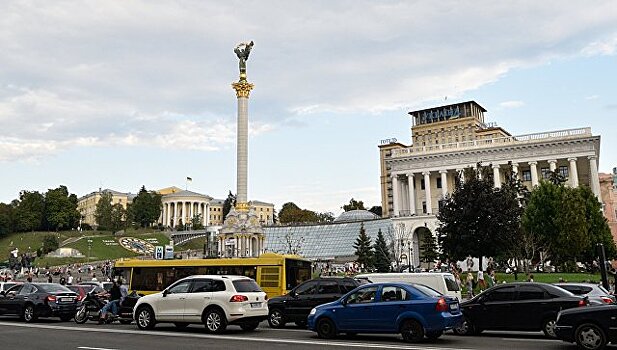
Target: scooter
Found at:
x=90, y=309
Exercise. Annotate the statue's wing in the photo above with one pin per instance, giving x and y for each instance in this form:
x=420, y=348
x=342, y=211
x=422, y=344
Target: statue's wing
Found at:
x=238, y=52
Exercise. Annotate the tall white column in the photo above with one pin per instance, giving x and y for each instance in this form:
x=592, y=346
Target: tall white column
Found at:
x=552, y=164
x=461, y=175
x=515, y=170
x=191, y=214
x=573, y=172
x=427, y=191
x=395, y=190
x=168, y=205
x=175, y=214
x=534, y=173
x=595, y=178
x=207, y=214
x=496, y=176
x=403, y=197
x=243, y=89
x=412, y=193
x=444, y=182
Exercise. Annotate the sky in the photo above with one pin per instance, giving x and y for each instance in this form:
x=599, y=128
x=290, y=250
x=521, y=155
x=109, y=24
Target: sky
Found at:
x=124, y=94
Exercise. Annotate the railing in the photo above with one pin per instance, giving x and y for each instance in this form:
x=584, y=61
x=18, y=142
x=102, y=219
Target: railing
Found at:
x=484, y=143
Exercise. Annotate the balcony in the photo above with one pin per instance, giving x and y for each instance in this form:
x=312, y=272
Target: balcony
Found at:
x=489, y=143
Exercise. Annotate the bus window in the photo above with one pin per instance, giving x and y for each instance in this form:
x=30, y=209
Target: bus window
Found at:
x=152, y=278
x=296, y=272
x=123, y=272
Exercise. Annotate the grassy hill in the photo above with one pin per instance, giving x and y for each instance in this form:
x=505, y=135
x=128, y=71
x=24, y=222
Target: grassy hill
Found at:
x=104, y=244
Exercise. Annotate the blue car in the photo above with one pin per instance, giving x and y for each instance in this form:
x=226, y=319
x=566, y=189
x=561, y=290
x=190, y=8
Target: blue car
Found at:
x=414, y=310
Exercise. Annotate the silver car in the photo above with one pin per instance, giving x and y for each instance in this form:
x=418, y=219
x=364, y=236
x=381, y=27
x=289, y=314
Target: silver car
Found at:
x=597, y=294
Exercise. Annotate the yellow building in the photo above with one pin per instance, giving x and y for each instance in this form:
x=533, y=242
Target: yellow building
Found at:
x=86, y=205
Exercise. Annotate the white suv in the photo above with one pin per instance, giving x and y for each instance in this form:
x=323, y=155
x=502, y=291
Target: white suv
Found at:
x=214, y=300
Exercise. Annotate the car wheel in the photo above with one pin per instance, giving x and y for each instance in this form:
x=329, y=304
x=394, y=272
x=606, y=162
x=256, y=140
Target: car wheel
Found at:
x=181, y=325
x=145, y=318
x=464, y=328
x=412, y=331
x=215, y=321
x=434, y=335
x=66, y=318
x=81, y=316
x=590, y=337
x=249, y=326
x=326, y=328
x=29, y=314
x=276, y=319
x=548, y=327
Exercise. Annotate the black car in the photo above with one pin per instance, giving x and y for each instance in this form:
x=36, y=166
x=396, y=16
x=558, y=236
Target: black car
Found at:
x=296, y=305
x=591, y=327
x=30, y=301
x=526, y=306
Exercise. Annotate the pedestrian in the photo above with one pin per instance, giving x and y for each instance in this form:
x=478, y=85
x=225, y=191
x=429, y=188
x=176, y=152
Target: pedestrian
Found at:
x=530, y=279
x=49, y=279
x=469, y=282
x=69, y=279
x=481, y=282
x=489, y=280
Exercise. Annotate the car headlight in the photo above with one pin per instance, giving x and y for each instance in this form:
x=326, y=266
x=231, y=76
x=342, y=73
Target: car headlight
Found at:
x=313, y=311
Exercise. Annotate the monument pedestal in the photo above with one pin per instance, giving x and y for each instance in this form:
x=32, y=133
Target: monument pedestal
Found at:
x=241, y=235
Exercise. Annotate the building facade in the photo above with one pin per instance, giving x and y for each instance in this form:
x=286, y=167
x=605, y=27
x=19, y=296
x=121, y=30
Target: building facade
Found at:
x=608, y=189
x=448, y=139
x=86, y=205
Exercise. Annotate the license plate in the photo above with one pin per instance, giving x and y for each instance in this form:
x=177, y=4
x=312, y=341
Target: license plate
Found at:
x=454, y=307
x=64, y=300
x=255, y=304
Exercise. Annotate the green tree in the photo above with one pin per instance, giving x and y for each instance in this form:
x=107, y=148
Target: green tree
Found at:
x=477, y=218
x=376, y=210
x=325, y=217
x=364, y=249
x=196, y=222
x=146, y=207
x=428, y=249
x=29, y=211
x=103, y=212
x=118, y=216
x=354, y=205
x=383, y=259
x=6, y=219
x=50, y=243
x=229, y=203
x=291, y=213
x=61, y=209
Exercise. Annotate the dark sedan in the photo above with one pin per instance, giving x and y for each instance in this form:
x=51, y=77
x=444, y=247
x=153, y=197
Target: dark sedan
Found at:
x=526, y=306
x=30, y=301
x=591, y=327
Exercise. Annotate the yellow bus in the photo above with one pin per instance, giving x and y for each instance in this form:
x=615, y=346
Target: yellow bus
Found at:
x=275, y=273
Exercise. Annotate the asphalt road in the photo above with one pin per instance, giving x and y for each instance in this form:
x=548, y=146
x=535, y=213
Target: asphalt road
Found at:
x=51, y=335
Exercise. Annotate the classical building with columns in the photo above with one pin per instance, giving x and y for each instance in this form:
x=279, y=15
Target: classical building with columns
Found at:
x=448, y=139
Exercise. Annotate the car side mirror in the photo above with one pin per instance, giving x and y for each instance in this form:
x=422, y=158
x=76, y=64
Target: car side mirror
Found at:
x=344, y=302
x=165, y=292
x=2, y=293
x=293, y=293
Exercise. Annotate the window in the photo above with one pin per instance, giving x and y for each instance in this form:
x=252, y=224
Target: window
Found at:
x=501, y=294
x=27, y=289
x=246, y=286
x=202, y=286
x=526, y=175
x=363, y=296
x=563, y=171
x=530, y=293
x=421, y=184
x=451, y=283
x=347, y=286
x=438, y=182
x=328, y=287
x=307, y=288
x=389, y=293
x=424, y=207
x=546, y=173
x=182, y=287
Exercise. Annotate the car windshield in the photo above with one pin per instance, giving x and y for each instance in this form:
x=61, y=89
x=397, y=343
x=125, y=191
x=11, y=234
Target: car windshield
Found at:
x=428, y=291
x=54, y=288
x=246, y=285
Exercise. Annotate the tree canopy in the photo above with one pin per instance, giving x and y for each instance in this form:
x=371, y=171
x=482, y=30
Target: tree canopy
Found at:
x=230, y=202
x=364, y=249
x=354, y=205
x=291, y=213
x=146, y=207
x=382, y=258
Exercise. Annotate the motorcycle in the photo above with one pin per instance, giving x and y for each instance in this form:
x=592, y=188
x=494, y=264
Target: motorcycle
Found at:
x=90, y=309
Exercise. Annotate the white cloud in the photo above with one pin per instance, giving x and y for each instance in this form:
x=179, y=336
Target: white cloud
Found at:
x=512, y=104
x=156, y=73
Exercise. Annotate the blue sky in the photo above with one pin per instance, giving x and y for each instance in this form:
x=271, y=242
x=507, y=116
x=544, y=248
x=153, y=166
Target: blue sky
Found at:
x=124, y=94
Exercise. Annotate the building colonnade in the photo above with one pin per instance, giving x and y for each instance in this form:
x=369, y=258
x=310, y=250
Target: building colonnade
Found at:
x=405, y=194
x=174, y=211
x=241, y=245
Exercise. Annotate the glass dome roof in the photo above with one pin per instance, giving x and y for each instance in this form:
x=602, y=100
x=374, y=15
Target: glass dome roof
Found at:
x=356, y=215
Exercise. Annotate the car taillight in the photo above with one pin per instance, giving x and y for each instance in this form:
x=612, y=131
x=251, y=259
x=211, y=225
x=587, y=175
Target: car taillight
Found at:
x=79, y=297
x=606, y=300
x=582, y=302
x=442, y=305
x=238, y=298
x=51, y=298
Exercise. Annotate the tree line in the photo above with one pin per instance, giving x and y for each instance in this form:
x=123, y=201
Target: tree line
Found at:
x=552, y=222
x=53, y=210
x=143, y=211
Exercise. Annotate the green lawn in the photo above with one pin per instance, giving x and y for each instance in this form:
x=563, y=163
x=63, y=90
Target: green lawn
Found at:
x=25, y=241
